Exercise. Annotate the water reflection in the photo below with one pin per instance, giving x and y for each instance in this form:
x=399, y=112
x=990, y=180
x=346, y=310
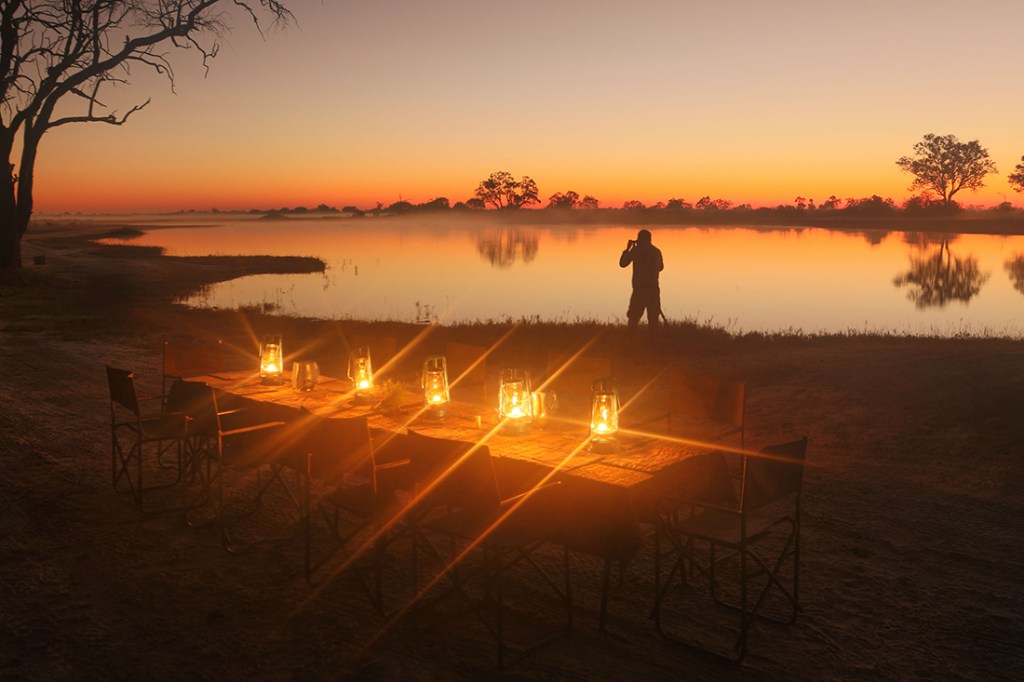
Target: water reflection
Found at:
x=940, y=277
x=1015, y=268
x=507, y=245
x=743, y=278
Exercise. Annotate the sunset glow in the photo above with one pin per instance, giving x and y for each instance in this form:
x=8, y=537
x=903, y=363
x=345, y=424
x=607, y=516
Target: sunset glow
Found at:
x=752, y=102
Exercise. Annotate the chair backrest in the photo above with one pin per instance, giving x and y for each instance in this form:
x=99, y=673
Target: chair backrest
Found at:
x=453, y=472
x=776, y=474
x=121, y=383
x=468, y=373
x=704, y=398
x=190, y=360
x=711, y=480
x=382, y=348
x=198, y=402
x=338, y=446
x=577, y=374
x=467, y=364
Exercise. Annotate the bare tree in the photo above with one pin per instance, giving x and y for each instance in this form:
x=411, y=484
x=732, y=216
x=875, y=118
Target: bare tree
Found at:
x=1016, y=178
x=59, y=59
x=946, y=165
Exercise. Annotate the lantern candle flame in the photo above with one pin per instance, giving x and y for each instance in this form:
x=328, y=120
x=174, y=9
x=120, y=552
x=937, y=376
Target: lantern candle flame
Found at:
x=604, y=416
x=271, y=359
x=436, y=395
x=515, y=403
x=360, y=372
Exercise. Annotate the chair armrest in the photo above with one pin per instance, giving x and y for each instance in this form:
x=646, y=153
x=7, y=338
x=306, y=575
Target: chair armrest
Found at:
x=398, y=463
x=251, y=428
x=392, y=476
x=532, y=515
x=544, y=490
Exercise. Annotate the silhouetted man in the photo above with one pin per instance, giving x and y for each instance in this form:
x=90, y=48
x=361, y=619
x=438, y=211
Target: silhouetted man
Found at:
x=647, y=263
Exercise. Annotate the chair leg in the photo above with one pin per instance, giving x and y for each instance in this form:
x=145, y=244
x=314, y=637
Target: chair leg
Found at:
x=605, y=588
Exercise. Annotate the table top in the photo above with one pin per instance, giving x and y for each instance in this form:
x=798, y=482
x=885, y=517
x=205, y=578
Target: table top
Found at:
x=558, y=441
x=606, y=495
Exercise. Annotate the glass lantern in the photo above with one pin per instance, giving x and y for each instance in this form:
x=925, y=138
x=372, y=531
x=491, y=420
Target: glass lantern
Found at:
x=604, y=416
x=515, y=402
x=271, y=359
x=360, y=372
x=436, y=396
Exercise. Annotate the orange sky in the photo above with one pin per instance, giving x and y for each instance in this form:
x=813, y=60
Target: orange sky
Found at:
x=748, y=101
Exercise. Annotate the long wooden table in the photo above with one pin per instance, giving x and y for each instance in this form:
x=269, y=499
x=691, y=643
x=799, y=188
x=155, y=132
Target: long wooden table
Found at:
x=606, y=496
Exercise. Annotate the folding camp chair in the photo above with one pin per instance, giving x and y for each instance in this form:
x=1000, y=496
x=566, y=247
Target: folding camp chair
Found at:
x=133, y=434
x=458, y=498
x=759, y=533
x=358, y=505
x=219, y=441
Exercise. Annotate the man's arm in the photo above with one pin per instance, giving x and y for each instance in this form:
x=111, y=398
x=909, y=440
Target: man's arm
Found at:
x=627, y=255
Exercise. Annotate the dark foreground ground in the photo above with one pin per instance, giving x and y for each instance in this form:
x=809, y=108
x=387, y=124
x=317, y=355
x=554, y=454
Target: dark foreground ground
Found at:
x=913, y=506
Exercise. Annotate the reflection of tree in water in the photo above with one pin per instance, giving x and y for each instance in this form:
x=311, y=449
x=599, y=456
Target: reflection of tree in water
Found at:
x=941, y=277
x=506, y=246
x=1015, y=268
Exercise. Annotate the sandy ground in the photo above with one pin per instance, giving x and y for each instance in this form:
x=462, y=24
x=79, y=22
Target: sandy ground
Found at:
x=913, y=509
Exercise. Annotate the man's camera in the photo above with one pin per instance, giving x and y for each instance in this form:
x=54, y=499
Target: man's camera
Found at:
x=632, y=243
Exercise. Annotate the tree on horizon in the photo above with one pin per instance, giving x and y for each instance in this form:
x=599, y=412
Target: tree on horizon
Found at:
x=59, y=59
x=1016, y=178
x=569, y=199
x=945, y=165
x=501, y=190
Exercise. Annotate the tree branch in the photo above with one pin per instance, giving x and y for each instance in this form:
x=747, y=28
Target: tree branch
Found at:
x=111, y=119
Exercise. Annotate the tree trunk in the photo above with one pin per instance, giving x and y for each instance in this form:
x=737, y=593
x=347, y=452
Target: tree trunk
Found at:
x=10, y=229
x=10, y=248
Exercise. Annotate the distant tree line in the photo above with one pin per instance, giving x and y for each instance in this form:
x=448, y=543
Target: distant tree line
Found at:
x=941, y=167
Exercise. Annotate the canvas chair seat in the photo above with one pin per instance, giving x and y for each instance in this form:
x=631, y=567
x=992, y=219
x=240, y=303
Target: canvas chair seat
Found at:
x=724, y=528
x=515, y=530
x=165, y=426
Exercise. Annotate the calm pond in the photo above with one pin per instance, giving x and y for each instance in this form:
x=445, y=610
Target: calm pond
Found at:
x=740, y=278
